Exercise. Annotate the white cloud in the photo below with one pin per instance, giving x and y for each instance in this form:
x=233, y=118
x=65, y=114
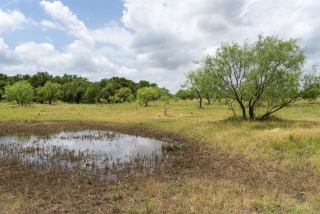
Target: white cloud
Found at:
x=48, y=24
x=160, y=39
x=113, y=34
x=11, y=20
x=6, y=55
x=68, y=20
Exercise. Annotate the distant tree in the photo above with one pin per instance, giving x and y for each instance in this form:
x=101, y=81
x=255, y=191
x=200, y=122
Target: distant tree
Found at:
x=163, y=92
x=145, y=83
x=105, y=94
x=50, y=92
x=185, y=94
x=92, y=94
x=109, y=90
x=40, y=79
x=66, y=78
x=16, y=78
x=124, y=83
x=4, y=80
x=113, y=99
x=22, y=92
x=314, y=86
x=75, y=90
x=203, y=83
x=124, y=95
x=147, y=94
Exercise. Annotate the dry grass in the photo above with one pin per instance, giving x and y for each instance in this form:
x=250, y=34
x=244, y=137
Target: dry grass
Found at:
x=227, y=165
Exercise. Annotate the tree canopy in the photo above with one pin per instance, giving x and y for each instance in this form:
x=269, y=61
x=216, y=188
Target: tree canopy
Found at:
x=22, y=92
x=147, y=94
x=265, y=75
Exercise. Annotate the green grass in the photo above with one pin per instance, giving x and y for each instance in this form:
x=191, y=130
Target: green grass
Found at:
x=287, y=145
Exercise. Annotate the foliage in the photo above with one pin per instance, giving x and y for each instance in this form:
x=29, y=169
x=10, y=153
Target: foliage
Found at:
x=147, y=94
x=265, y=75
x=40, y=79
x=185, y=94
x=202, y=81
x=75, y=90
x=21, y=91
x=124, y=95
x=92, y=93
x=49, y=92
x=79, y=89
x=145, y=83
x=4, y=80
x=313, y=82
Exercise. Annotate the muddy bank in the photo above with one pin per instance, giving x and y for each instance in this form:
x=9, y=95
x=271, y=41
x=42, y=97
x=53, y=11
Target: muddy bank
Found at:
x=63, y=191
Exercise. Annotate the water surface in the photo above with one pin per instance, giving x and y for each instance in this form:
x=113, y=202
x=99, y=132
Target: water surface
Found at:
x=107, y=154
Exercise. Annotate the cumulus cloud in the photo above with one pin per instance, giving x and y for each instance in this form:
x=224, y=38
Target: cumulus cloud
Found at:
x=68, y=20
x=6, y=55
x=11, y=20
x=112, y=34
x=165, y=30
x=160, y=39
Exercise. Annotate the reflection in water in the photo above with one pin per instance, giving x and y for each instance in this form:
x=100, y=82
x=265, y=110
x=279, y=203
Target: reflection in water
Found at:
x=108, y=155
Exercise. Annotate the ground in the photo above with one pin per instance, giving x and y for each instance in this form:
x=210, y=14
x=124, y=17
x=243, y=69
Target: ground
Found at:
x=224, y=166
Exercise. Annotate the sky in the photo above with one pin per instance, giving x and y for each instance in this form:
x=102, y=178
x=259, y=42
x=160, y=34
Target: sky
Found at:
x=153, y=40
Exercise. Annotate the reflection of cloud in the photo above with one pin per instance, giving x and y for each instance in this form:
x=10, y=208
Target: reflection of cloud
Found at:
x=100, y=150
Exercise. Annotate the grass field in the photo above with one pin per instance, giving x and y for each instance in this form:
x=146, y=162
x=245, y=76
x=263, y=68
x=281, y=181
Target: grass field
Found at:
x=227, y=165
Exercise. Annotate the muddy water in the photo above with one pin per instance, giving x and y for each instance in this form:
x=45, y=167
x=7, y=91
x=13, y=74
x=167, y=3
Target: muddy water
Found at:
x=106, y=154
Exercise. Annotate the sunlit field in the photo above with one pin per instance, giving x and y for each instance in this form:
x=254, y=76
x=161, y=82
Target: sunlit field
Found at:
x=226, y=165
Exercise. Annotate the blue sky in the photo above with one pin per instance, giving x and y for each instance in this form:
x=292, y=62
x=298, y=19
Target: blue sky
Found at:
x=154, y=40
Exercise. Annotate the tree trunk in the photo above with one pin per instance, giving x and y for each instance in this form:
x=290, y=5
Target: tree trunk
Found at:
x=251, y=113
x=244, y=113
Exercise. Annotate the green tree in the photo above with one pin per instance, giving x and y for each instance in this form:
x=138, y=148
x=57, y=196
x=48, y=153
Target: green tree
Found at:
x=40, y=79
x=4, y=80
x=92, y=94
x=50, y=92
x=184, y=94
x=74, y=91
x=203, y=83
x=124, y=95
x=147, y=94
x=145, y=83
x=314, y=86
x=22, y=92
x=265, y=75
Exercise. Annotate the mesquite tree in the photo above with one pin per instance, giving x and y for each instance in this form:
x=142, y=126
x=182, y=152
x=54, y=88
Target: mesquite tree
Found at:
x=265, y=75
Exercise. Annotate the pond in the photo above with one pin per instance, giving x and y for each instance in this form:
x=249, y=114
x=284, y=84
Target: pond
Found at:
x=108, y=155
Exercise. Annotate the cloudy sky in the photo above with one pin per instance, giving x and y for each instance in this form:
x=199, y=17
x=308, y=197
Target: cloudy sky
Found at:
x=154, y=40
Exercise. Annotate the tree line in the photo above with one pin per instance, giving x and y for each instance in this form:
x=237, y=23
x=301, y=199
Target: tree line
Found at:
x=43, y=87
